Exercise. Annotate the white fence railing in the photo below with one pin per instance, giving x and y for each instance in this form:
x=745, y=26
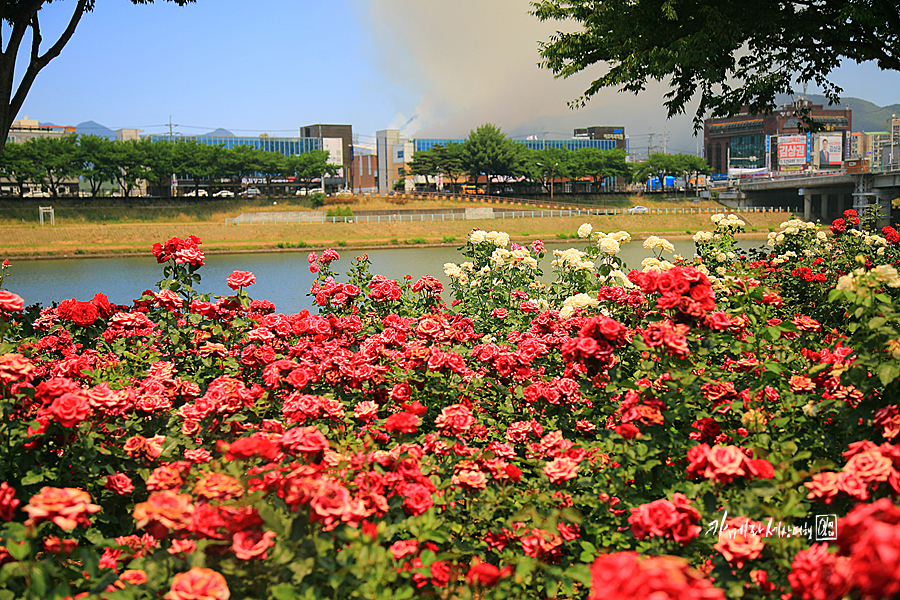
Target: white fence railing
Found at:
x=270, y=219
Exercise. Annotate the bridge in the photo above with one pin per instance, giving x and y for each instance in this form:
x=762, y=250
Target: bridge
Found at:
x=825, y=195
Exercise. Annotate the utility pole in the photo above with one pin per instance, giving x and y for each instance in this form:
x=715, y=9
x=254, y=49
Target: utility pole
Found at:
x=171, y=135
x=649, y=145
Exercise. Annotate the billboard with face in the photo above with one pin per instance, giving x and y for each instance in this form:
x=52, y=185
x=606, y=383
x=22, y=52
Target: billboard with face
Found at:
x=828, y=152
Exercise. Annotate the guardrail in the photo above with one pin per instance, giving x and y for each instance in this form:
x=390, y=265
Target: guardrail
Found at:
x=514, y=214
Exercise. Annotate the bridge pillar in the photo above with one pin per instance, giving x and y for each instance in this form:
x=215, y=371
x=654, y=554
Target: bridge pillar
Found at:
x=807, y=206
x=826, y=201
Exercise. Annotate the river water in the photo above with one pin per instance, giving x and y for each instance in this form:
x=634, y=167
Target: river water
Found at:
x=282, y=278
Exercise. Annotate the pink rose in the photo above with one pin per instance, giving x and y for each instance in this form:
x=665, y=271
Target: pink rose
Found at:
x=198, y=584
x=240, y=279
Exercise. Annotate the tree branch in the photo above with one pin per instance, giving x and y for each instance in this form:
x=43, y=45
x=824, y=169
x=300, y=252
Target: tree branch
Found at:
x=39, y=62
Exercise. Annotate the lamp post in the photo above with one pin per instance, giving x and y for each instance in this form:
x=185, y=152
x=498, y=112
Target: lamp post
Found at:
x=551, y=169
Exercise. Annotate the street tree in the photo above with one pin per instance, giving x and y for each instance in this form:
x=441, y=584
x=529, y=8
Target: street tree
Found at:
x=730, y=54
x=548, y=164
x=130, y=168
x=448, y=161
x=487, y=151
x=22, y=17
x=98, y=160
x=310, y=165
x=159, y=159
x=58, y=159
x=423, y=164
x=19, y=163
x=599, y=164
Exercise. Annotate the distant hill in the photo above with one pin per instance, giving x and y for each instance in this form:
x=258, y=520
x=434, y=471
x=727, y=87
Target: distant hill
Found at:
x=866, y=115
x=220, y=132
x=92, y=128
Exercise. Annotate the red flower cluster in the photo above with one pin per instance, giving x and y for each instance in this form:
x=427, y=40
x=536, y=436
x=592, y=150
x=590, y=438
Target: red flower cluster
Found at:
x=890, y=234
x=181, y=251
x=85, y=313
x=867, y=466
x=625, y=576
x=593, y=347
x=870, y=537
x=726, y=463
x=684, y=289
x=675, y=520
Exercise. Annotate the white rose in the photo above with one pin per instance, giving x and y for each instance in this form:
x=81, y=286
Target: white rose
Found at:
x=585, y=230
x=608, y=246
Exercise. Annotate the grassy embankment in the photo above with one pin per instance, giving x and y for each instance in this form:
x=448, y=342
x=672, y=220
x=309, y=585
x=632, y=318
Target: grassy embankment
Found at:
x=114, y=226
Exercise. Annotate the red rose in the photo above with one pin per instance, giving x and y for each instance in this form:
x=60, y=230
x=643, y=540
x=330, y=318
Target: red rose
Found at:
x=83, y=313
x=817, y=574
x=104, y=308
x=761, y=468
x=70, y=409
x=8, y=502
x=483, y=574
x=119, y=483
x=628, y=431
x=308, y=440
x=417, y=499
x=875, y=560
x=10, y=302
x=402, y=422
x=252, y=543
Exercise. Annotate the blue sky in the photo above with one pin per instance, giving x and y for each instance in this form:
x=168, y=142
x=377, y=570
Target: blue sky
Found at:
x=270, y=66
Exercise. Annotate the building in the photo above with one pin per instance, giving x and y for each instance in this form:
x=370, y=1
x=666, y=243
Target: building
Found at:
x=25, y=129
x=128, y=135
x=365, y=173
x=286, y=146
x=776, y=142
x=889, y=151
x=393, y=152
x=617, y=134
x=342, y=155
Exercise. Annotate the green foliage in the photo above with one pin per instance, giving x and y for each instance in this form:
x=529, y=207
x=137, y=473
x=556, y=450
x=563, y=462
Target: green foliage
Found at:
x=317, y=199
x=487, y=151
x=341, y=211
x=732, y=55
x=449, y=239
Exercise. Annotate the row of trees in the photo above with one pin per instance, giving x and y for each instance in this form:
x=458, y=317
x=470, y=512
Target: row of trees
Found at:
x=50, y=161
x=488, y=152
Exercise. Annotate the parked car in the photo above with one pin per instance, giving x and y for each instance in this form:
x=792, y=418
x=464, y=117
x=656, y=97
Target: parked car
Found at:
x=637, y=210
x=250, y=192
x=224, y=194
x=301, y=192
x=196, y=193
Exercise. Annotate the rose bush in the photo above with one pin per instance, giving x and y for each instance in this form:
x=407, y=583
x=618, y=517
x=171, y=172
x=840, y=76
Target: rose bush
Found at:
x=672, y=430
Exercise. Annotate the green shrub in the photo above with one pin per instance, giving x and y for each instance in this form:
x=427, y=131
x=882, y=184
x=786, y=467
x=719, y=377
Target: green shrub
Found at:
x=301, y=244
x=395, y=241
x=317, y=199
x=281, y=245
x=341, y=243
x=417, y=240
x=449, y=239
x=562, y=236
x=340, y=211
